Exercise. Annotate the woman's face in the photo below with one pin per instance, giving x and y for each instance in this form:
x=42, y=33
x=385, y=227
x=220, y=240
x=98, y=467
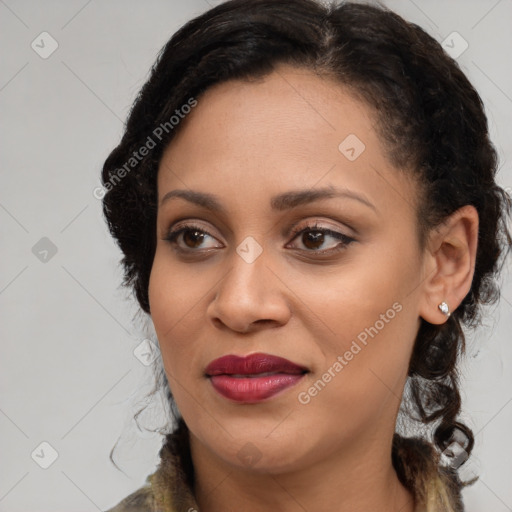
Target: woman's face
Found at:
x=344, y=304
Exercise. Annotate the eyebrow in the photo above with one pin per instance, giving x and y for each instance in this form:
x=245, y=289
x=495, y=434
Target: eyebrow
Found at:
x=281, y=202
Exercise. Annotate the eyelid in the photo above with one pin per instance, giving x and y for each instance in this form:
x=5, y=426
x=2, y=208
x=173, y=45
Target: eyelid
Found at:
x=317, y=223
x=287, y=230
x=291, y=229
x=187, y=223
x=344, y=240
x=176, y=230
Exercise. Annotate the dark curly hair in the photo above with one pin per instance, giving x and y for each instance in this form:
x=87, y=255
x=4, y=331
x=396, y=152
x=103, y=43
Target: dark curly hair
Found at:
x=433, y=124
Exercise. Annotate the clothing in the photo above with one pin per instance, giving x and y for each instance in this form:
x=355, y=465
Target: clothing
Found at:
x=139, y=501
x=169, y=488
x=142, y=500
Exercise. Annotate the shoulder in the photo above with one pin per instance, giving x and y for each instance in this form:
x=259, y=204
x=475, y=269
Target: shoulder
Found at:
x=165, y=490
x=141, y=500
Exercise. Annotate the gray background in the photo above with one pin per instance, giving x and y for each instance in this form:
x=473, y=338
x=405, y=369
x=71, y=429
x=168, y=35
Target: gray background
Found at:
x=68, y=373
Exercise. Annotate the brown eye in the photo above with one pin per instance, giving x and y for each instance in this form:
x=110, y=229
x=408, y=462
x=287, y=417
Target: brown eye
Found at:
x=314, y=237
x=192, y=238
x=195, y=237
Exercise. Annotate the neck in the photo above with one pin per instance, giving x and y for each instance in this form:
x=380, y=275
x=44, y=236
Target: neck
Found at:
x=354, y=478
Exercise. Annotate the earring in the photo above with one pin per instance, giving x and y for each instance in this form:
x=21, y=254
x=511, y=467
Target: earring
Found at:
x=444, y=309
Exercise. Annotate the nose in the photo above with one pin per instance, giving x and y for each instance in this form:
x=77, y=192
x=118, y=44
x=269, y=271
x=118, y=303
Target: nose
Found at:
x=250, y=297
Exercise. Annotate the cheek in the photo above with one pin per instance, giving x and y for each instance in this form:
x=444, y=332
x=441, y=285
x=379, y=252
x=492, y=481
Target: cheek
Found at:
x=176, y=291
x=364, y=297
x=362, y=381
x=176, y=301
x=372, y=323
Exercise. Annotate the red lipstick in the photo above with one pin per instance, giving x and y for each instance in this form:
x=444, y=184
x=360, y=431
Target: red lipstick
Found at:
x=253, y=378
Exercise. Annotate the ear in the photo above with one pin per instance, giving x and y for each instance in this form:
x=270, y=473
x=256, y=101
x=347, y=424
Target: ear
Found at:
x=449, y=264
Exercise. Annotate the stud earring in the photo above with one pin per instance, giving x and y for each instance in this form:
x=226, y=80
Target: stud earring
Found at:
x=444, y=309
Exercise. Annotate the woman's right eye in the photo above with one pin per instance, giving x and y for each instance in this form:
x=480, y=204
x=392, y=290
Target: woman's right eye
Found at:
x=192, y=236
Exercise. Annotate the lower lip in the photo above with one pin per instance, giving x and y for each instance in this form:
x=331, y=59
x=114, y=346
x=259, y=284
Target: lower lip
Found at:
x=253, y=389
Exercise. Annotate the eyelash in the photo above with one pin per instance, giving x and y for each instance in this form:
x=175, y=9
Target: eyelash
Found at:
x=346, y=240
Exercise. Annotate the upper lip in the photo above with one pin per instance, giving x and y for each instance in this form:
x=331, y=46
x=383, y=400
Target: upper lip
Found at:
x=252, y=364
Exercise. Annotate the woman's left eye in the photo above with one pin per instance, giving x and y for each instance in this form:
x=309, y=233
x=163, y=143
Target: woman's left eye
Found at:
x=313, y=237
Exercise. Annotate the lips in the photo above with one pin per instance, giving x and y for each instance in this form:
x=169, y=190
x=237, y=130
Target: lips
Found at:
x=254, y=364
x=253, y=378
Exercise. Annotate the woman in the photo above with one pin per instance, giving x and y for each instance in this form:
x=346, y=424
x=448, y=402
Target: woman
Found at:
x=305, y=198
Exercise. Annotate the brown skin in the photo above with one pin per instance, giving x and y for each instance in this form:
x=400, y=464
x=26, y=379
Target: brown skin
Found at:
x=246, y=142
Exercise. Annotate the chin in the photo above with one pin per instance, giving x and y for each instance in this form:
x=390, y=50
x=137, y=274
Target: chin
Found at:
x=255, y=450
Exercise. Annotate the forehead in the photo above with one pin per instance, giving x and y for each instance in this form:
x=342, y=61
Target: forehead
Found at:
x=289, y=130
